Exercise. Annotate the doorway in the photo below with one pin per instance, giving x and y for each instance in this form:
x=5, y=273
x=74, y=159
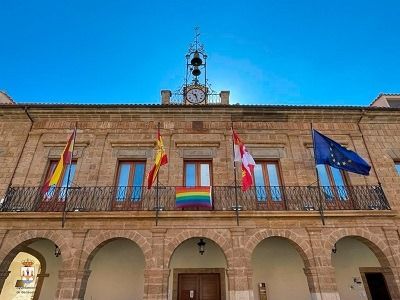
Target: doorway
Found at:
x=199, y=286
x=377, y=286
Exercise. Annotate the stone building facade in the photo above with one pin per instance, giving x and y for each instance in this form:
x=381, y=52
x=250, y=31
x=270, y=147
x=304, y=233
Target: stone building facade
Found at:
x=284, y=250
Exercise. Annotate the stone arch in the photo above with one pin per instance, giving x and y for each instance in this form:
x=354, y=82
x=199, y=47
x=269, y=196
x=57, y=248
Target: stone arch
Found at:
x=376, y=244
x=42, y=273
x=301, y=245
x=94, y=244
x=97, y=240
x=16, y=241
x=216, y=236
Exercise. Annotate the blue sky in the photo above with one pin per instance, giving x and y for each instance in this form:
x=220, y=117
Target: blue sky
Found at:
x=264, y=52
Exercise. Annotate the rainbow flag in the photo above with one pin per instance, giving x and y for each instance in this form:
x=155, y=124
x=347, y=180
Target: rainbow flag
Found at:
x=193, y=196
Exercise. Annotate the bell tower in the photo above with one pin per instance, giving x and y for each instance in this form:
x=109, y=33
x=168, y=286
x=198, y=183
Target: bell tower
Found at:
x=196, y=89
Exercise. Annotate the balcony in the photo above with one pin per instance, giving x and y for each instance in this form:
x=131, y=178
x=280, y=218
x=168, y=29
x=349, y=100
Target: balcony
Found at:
x=224, y=198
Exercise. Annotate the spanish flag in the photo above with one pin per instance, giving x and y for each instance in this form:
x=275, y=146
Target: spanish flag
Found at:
x=65, y=159
x=161, y=159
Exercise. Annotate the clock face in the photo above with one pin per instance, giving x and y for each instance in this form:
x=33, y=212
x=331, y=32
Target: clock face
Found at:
x=195, y=96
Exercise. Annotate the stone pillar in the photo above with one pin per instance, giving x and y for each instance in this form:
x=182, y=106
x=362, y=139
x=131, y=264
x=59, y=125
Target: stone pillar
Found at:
x=238, y=284
x=322, y=283
x=73, y=277
x=393, y=240
x=224, y=96
x=166, y=96
x=321, y=274
x=155, y=276
x=239, y=274
x=392, y=273
x=67, y=281
x=155, y=284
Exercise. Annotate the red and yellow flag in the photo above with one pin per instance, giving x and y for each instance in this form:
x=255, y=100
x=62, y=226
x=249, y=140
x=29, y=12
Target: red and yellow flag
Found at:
x=161, y=159
x=243, y=156
x=65, y=160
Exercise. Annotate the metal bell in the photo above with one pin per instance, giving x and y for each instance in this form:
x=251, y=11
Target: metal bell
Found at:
x=196, y=60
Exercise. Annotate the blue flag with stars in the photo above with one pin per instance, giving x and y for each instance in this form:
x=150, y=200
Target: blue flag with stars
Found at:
x=328, y=152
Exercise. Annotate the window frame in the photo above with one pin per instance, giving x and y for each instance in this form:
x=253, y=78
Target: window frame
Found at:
x=269, y=199
x=335, y=193
x=197, y=163
x=50, y=170
x=129, y=188
x=397, y=163
x=344, y=174
x=264, y=165
x=54, y=198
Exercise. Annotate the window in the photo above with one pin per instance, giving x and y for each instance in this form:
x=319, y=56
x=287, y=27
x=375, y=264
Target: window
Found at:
x=333, y=182
x=130, y=180
x=60, y=189
x=64, y=175
x=197, y=173
x=267, y=181
x=397, y=166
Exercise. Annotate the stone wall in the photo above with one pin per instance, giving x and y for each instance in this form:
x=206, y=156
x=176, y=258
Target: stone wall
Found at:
x=107, y=134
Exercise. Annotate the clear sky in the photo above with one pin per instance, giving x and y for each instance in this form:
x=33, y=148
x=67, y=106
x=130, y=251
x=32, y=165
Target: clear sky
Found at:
x=337, y=52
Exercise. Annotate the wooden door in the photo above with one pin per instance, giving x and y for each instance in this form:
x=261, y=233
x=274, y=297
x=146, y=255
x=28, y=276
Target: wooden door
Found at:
x=199, y=286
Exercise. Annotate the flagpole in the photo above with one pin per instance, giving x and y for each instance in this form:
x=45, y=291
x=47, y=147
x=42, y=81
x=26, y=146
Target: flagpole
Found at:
x=68, y=178
x=157, y=200
x=234, y=172
x=321, y=209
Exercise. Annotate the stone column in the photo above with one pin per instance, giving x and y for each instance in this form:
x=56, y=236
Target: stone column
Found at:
x=165, y=96
x=239, y=275
x=73, y=277
x=322, y=283
x=155, y=276
x=238, y=284
x=67, y=281
x=154, y=284
x=321, y=274
x=392, y=273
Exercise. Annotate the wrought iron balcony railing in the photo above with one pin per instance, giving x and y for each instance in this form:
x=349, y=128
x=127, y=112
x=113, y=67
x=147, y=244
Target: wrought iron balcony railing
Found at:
x=138, y=198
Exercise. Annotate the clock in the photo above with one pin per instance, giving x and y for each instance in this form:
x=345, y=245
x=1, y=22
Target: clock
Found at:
x=195, y=95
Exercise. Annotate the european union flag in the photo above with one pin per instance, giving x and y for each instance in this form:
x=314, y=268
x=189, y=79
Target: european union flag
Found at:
x=328, y=152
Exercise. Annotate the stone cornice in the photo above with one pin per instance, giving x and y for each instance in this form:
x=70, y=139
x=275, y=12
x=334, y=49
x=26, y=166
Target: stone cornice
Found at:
x=235, y=113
